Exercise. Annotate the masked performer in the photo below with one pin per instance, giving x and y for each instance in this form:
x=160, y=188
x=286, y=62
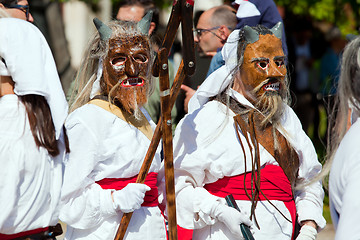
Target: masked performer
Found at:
x=253, y=148
x=33, y=109
x=109, y=137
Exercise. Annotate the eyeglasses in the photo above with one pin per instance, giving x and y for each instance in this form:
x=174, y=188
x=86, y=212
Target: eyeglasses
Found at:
x=23, y=8
x=200, y=31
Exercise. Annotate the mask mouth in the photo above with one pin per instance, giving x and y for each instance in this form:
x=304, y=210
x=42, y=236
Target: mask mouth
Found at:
x=133, y=82
x=272, y=85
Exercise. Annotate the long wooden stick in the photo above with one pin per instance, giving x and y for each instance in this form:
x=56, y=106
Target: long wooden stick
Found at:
x=175, y=89
x=167, y=143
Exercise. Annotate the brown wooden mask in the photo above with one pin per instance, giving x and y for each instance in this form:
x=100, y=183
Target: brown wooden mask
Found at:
x=127, y=62
x=264, y=65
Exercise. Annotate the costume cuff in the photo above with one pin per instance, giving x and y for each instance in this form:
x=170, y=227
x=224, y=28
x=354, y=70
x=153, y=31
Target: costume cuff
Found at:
x=307, y=211
x=204, y=203
x=106, y=202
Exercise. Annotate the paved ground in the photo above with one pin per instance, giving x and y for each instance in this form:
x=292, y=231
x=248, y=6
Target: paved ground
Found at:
x=327, y=234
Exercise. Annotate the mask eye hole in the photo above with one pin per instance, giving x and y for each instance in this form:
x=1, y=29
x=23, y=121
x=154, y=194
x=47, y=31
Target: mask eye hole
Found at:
x=118, y=61
x=140, y=58
x=279, y=63
x=263, y=64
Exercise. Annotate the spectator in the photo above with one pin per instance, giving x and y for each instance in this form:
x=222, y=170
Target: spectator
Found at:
x=212, y=30
x=17, y=9
x=135, y=10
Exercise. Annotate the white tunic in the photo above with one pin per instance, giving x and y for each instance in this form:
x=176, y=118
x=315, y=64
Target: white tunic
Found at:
x=30, y=178
x=104, y=146
x=206, y=148
x=344, y=182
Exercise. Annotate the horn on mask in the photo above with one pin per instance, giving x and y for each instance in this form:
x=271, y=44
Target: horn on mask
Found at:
x=144, y=24
x=277, y=30
x=103, y=29
x=251, y=35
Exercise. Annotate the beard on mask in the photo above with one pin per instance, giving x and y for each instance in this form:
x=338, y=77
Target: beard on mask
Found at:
x=131, y=99
x=270, y=104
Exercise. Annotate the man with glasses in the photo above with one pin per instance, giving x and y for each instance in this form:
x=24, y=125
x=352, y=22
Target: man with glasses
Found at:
x=17, y=9
x=214, y=27
x=211, y=32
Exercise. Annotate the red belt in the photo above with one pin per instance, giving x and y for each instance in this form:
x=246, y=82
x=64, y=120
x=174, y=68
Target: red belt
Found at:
x=22, y=234
x=151, y=197
x=273, y=183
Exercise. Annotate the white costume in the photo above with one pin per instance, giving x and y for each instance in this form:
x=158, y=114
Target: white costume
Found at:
x=104, y=146
x=206, y=149
x=31, y=178
x=343, y=185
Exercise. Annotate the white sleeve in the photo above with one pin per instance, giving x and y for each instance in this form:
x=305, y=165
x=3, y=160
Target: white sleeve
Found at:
x=85, y=203
x=350, y=207
x=309, y=200
x=193, y=202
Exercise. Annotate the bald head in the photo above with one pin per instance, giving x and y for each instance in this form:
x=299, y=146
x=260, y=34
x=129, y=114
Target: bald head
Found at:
x=223, y=15
x=214, y=27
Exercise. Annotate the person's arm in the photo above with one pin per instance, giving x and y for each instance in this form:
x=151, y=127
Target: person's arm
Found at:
x=308, y=198
x=189, y=92
x=194, y=162
x=85, y=203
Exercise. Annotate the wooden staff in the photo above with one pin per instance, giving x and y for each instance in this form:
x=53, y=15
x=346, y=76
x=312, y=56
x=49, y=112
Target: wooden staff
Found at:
x=167, y=143
x=175, y=89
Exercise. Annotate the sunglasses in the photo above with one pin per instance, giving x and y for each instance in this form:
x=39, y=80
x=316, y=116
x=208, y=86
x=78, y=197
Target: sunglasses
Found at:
x=200, y=31
x=23, y=8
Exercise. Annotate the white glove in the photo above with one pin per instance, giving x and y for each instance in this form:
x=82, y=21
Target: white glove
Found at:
x=307, y=233
x=231, y=217
x=130, y=197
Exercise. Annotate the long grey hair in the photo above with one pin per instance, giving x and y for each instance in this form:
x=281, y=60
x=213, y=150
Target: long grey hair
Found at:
x=347, y=101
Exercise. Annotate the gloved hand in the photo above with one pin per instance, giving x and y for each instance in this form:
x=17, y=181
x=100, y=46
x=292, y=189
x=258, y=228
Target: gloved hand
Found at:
x=230, y=217
x=307, y=233
x=130, y=197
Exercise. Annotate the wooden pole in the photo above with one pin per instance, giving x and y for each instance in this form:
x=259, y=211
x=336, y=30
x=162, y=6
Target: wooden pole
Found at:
x=167, y=142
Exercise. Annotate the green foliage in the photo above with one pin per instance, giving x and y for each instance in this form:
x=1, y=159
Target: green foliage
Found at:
x=345, y=14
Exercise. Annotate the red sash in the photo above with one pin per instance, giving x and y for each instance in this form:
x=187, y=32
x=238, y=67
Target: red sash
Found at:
x=22, y=234
x=273, y=183
x=151, y=197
